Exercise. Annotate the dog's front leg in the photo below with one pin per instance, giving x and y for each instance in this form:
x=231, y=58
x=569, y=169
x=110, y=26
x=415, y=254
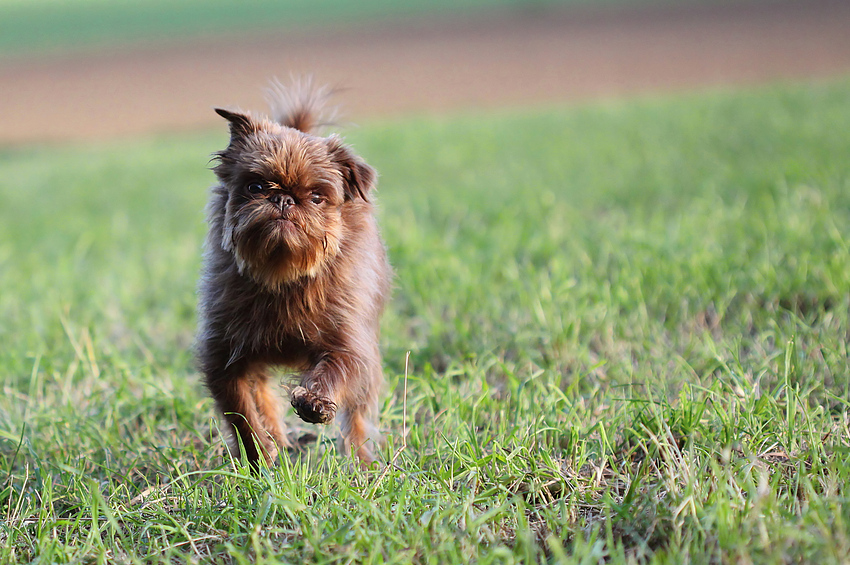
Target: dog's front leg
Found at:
x=315, y=401
x=351, y=384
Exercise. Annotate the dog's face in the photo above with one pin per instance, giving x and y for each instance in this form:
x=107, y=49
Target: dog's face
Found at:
x=287, y=192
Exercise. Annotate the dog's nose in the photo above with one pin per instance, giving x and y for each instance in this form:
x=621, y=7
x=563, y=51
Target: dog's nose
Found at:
x=282, y=201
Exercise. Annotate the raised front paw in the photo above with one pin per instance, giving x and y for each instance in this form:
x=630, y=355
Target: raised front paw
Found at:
x=311, y=407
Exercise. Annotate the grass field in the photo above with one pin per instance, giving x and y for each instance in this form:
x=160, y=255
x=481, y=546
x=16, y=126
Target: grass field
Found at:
x=627, y=326
x=33, y=26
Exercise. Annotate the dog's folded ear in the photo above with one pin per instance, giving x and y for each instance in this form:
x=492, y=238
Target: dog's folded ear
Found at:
x=358, y=177
x=240, y=123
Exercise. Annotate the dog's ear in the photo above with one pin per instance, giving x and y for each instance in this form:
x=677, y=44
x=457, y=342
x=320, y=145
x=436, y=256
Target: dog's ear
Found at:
x=358, y=177
x=240, y=123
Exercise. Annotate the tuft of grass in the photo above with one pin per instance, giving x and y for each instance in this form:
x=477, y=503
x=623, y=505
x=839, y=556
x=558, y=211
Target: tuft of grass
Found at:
x=627, y=325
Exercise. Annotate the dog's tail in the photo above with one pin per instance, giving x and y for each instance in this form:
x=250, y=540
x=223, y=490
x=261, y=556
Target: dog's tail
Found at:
x=301, y=104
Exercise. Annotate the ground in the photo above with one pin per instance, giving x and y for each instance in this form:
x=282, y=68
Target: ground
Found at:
x=432, y=65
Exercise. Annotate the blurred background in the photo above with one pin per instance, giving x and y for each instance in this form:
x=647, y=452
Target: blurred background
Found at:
x=96, y=69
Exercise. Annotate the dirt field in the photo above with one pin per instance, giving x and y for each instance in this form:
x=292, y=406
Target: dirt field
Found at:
x=389, y=69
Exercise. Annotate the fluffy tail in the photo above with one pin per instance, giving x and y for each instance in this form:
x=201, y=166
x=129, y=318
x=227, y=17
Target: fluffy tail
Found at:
x=300, y=105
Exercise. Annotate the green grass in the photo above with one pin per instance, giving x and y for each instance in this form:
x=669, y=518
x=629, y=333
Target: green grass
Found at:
x=628, y=326
x=36, y=26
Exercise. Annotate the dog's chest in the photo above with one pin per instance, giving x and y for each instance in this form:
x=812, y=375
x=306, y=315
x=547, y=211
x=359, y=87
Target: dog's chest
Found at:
x=286, y=321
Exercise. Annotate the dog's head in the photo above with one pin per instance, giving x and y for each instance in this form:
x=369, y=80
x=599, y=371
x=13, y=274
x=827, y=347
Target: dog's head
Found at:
x=286, y=193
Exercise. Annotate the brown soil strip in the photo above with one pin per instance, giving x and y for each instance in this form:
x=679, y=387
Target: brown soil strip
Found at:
x=508, y=59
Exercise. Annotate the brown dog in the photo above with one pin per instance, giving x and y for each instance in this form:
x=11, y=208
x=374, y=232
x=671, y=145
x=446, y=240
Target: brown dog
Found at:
x=295, y=274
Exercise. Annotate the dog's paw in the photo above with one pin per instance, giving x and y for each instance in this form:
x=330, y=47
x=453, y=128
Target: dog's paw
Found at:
x=311, y=407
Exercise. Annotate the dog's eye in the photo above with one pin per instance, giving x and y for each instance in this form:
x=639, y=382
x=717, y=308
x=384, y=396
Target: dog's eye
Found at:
x=317, y=198
x=255, y=188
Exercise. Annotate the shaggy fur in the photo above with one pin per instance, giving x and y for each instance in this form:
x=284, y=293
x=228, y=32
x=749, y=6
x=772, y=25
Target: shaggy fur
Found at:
x=295, y=274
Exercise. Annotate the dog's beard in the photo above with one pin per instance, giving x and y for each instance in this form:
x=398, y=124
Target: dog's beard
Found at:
x=275, y=248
